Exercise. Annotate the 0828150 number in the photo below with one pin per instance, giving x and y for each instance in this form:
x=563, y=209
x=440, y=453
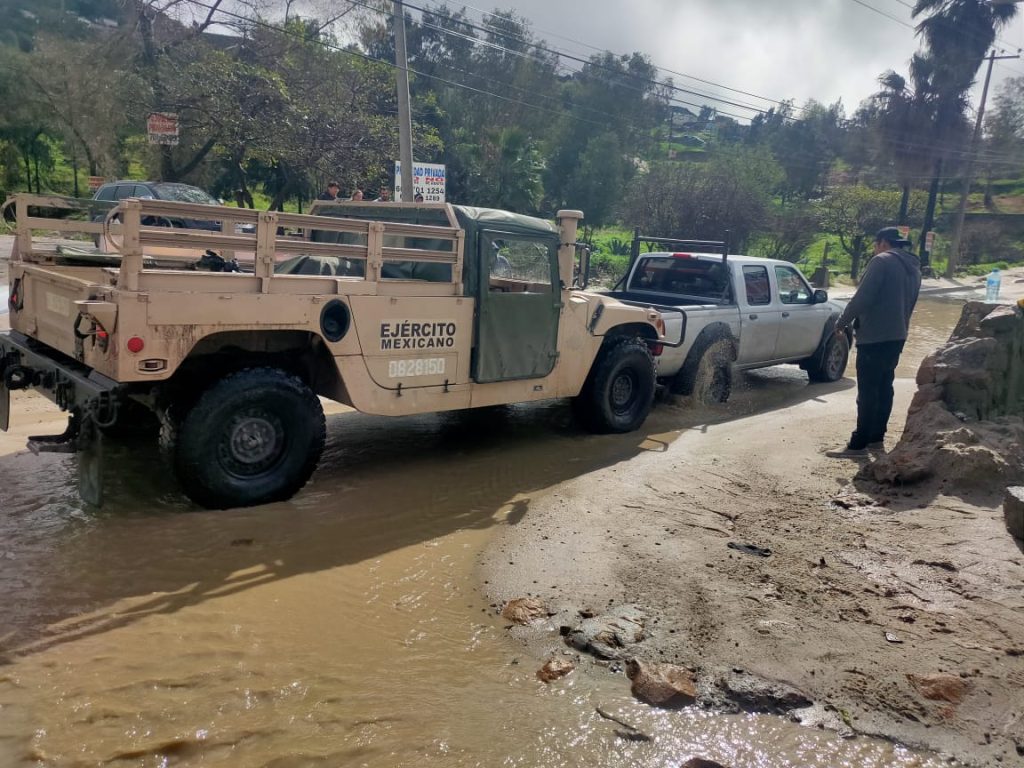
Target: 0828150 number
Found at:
x=401, y=369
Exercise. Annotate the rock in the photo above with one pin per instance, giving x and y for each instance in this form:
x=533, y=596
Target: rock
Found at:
x=524, y=610
x=756, y=694
x=1003, y=319
x=1013, y=511
x=663, y=685
x=555, y=669
x=940, y=687
x=700, y=762
x=609, y=635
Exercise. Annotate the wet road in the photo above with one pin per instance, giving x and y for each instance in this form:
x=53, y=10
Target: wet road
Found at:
x=343, y=627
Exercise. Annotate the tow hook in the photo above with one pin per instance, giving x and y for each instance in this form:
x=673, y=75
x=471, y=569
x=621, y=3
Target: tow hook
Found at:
x=18, y=377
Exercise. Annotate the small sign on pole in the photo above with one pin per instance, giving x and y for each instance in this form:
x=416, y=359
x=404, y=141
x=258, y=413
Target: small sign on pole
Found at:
x=929, y=241
x=428, y=179
x=162, y=128
x=904, y=231
x=95, y=182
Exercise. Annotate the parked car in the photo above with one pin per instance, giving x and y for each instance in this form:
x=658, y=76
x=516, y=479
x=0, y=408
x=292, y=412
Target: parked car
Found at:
x=115, y=191
x=734, y=312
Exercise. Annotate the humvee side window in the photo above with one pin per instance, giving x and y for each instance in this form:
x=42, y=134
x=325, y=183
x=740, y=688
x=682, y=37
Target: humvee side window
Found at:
x=519, y=266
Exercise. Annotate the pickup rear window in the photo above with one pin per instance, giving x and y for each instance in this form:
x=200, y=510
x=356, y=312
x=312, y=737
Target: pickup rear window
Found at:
x=693, y=278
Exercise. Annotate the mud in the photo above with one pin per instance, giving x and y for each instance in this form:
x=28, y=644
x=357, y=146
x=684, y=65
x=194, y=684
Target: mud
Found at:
x=864, y=591
x=346, y=627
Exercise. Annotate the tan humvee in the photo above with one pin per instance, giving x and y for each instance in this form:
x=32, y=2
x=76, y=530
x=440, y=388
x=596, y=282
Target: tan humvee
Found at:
x=390, y=308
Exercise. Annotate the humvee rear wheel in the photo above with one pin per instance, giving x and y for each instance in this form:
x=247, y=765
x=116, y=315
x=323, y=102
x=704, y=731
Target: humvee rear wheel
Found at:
x=619, y=391
x=253, y=437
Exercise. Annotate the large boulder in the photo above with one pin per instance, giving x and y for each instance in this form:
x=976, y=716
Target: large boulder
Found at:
x=1013, y=511
x=965, y=423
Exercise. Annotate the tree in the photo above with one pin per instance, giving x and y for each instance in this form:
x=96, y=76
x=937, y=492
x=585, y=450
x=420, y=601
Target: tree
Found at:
x=597, y=182
x=731, y=193
x=957, y=34
x=854, y=214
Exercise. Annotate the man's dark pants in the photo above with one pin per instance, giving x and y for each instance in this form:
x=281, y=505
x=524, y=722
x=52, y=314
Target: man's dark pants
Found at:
x=876, y=371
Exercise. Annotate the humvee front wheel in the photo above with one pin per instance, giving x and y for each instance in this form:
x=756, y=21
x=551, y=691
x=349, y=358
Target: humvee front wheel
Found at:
x=619, y=391
x=253, y=437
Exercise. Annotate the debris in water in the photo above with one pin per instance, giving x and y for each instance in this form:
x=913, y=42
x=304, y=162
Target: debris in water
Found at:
x=750, y=549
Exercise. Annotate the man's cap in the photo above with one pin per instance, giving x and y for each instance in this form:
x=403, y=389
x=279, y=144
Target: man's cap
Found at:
x=892, y=235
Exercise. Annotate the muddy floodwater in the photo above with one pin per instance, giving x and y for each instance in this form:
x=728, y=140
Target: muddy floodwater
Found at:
x=344, y=627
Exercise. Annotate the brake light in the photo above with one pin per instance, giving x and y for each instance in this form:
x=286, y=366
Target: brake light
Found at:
x=135, y=345
x=682, y=255
x=657, y=349
x=14, y=300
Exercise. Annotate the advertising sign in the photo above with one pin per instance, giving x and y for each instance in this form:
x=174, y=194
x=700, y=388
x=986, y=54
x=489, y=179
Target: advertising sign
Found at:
x=428, y=179
x=162, y=128
x=95, y=182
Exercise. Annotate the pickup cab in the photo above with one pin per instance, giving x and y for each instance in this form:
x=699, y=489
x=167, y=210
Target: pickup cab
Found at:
x=733, y=312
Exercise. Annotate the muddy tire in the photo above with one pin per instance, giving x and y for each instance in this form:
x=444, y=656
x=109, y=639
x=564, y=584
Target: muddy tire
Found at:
x=619, y=391
x=833, y=361
x=707, y=377
x=252, y=438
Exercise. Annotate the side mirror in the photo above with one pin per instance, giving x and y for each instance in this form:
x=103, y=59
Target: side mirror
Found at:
x=582, y=277
x=820, y=296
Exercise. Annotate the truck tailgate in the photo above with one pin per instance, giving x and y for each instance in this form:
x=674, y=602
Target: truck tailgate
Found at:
x=673, y=317
x=48, y=309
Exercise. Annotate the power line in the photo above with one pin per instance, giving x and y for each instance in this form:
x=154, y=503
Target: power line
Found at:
x=586, y=62
x=484, y=14
x=455, y=84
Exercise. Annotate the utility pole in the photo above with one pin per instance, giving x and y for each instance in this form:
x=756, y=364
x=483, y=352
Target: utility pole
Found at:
x=404, y=110
x=961, y=211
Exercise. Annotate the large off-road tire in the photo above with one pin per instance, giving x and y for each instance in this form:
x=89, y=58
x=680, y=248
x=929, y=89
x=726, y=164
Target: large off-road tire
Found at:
x=252, y=438
x=707, y=375
x=834, y=358
x=619, y=391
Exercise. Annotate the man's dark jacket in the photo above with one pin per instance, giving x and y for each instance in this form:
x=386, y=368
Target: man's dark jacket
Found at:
x=880, y=309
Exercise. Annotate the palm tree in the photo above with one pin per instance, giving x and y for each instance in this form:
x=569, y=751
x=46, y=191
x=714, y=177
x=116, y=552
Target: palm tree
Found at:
x=902, y=118
x=957, y=35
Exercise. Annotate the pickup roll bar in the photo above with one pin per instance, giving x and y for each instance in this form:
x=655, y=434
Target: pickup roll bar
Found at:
x=703, y=246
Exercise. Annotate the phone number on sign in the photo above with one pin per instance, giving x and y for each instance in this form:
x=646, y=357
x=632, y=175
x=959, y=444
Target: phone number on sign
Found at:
x=400, y=369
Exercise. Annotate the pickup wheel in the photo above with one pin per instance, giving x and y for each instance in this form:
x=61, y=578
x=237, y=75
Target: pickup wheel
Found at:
x=619, y=391
x=834, y=358
x=707, y=376
x=253, y=437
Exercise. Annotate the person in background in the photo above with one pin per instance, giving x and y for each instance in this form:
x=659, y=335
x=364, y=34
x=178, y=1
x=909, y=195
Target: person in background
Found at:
x=385, y=196
x=331, y=193
x=418, y=198
x=358, y=194
x=879, y=313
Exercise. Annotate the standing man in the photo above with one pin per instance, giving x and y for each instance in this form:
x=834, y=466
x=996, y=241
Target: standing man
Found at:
x=879, y=313
x=331, y=193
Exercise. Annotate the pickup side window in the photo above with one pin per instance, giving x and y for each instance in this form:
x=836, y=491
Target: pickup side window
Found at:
x=792, y=287
x=755, y=282
x=124, y=191
x=106, y=192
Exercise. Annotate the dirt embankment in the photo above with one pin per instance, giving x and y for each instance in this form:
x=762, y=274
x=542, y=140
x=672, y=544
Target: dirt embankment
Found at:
x=898, y=608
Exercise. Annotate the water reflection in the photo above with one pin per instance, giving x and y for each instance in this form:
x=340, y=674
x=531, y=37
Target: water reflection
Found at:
x=342, y=627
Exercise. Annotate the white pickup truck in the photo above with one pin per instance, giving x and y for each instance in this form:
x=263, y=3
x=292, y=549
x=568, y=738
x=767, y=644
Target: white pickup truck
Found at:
x=732, y=312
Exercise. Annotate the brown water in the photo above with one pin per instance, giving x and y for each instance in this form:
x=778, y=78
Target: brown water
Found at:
x=342, y=628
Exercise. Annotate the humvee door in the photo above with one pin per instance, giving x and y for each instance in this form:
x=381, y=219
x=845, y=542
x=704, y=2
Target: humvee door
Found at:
x=518, y=308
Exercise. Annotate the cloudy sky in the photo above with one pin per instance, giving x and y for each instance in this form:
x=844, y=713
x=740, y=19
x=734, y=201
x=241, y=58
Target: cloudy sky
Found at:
x=799, y=49
x=779, y=49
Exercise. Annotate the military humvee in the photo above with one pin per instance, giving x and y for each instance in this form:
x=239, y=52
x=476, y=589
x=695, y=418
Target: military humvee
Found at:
x=389, y=308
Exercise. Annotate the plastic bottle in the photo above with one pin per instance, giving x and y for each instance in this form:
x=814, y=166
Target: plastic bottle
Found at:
x=992, y=286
